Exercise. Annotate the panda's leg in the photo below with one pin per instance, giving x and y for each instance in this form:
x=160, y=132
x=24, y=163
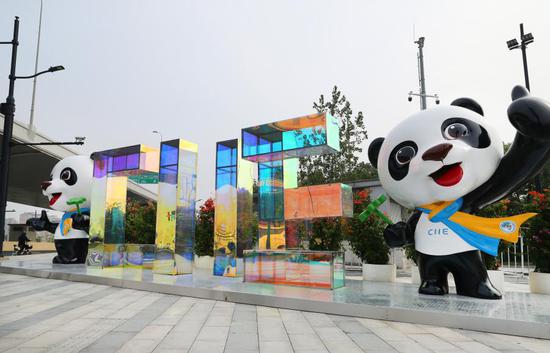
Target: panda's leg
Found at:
x=433, y=274
x=471, y=277
x=71, y=251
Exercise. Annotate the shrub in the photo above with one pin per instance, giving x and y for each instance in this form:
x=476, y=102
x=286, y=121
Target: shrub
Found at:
x=204, y=230
x=538, y=234
x=366, y=238
x=141, y=219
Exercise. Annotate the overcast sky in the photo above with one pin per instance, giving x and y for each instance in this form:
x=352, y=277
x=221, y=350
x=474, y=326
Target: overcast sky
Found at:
x=202, y=70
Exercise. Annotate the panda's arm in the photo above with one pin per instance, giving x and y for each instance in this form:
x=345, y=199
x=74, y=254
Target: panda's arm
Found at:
x=42, y=223
x=527, y=155
x=402, y=233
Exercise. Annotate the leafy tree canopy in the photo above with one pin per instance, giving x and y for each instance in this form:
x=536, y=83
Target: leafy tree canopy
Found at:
x=345, y=165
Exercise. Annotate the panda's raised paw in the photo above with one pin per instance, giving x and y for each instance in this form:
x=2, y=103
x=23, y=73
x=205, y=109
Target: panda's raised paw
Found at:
x=529, y=115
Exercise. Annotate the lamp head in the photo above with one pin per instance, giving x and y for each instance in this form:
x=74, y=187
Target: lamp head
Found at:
x=56, y=68
x=512, y=44
x=527, y=38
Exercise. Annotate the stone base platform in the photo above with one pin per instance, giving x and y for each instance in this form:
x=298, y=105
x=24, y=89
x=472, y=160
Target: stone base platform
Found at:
x=518, y=313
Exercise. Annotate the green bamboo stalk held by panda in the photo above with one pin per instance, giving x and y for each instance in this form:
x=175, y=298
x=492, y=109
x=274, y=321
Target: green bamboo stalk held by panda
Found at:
x=373, y=208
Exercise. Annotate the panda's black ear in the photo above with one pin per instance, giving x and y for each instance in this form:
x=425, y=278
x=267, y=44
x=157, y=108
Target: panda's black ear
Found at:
x=374, y=150
x=519, y=92
x=468, y=103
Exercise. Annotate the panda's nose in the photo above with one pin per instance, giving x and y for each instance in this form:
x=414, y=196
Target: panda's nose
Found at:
x=437, y=153
x=45, y=184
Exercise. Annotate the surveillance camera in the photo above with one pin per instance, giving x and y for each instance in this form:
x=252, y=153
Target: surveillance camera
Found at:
x=437, y=101
x=410, y=99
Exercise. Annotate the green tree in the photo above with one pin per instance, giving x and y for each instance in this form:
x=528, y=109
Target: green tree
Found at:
x=141, y=218
x=204, y=229
x=367, y=238
x=345, y=165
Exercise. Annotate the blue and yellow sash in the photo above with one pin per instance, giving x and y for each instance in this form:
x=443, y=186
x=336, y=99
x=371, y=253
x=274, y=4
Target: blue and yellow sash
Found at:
x=480, y=232
x=66, y=223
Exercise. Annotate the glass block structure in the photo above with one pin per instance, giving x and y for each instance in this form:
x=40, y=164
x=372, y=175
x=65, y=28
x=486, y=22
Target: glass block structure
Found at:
x=233, y=217
x=275, y=147
x=174, y=169
x=112, y=168
x=298, y=137
x=318, y=201
x=319, y=269
x=175, y=228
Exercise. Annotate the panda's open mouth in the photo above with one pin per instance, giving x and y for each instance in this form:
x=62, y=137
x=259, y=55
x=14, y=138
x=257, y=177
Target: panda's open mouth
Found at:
x=55, y=197
x=448, y=175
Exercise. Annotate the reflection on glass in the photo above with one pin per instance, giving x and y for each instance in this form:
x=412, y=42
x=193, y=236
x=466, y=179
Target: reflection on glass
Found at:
x=234, y=223
x=318, y=269
x=298, y=137
x=175, y=228
x=318, y=201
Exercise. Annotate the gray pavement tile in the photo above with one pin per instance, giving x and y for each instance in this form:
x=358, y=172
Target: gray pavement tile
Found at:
x=207, y=347
x=474, y=347
x=352, y=326
x=491, y=340
x=38, y=289
x=243, y=327
x=147, y=315
x=46, y=314
x=244, y=316
x=309, y=341
x=242, y=341
x=432, y=342
x=245, y=307
x=409, y=346
x=276, y=347
x=4, y=282
x=109, y=343
x=369, y=342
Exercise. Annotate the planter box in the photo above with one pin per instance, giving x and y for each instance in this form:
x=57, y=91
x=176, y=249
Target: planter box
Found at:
x=497, y=279
x=379, y=273
x=206, y=262
x=415, y=275
x=539, y=282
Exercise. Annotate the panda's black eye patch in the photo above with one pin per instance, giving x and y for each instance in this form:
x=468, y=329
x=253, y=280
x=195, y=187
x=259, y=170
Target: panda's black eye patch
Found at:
x=466, y=131
x=400, y=158
x=404, y=155
x=456, y=130
x=68, y=175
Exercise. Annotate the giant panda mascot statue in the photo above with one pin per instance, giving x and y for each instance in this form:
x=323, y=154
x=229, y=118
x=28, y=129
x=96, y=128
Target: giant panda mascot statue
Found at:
x=446, y=163
x=68, y=191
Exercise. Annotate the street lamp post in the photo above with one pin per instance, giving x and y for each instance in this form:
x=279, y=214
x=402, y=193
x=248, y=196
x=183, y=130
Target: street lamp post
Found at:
x=512, y=44
x=421, y=78
x=8, y=110
x=158, y=133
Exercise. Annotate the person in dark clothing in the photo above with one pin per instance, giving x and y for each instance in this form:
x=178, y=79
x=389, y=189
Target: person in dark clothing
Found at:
x=22, y=242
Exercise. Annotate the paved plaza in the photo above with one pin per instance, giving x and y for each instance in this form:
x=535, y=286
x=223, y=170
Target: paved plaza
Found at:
x=45, y=315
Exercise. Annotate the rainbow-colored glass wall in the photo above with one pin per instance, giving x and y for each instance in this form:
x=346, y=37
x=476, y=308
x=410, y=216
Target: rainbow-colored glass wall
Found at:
x=112, y=168
x=174, y=169
x=233, y=220
x=319, y=269
x=175, y=228
x=275, y=147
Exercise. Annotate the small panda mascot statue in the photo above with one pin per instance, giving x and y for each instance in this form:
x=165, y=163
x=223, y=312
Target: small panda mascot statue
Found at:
x=446, y=163
x=68, y=191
